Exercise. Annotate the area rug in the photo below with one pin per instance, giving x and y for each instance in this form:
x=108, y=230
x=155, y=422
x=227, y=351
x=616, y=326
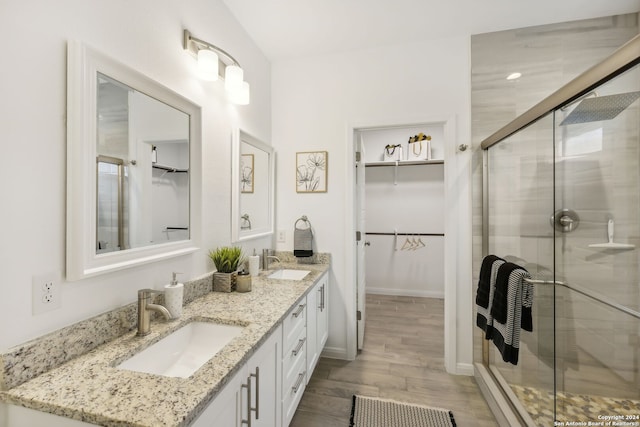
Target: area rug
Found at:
x=374, y=412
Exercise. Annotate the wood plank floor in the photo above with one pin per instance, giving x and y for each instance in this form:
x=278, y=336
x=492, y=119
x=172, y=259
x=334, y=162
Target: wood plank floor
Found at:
x=402, y=359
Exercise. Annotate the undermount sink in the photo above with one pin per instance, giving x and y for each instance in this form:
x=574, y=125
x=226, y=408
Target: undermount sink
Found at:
x=184, y=351
x=286, y=274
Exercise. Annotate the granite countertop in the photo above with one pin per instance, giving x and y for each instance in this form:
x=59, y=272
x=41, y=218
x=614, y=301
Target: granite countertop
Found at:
x=89, y=388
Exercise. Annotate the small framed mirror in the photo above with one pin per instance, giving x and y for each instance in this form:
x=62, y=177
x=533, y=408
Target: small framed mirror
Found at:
x=133, y=168
x=253, y=166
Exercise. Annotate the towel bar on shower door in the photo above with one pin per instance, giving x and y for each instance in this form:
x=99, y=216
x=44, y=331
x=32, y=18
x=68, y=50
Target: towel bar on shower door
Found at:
x=588, y=294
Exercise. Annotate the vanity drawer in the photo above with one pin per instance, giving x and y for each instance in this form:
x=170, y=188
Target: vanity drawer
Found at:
x=293, y=353
x=293, y=323
x=293, y=388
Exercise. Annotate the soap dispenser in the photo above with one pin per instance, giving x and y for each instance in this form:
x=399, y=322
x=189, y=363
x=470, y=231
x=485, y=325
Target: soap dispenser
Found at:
x=173, y=295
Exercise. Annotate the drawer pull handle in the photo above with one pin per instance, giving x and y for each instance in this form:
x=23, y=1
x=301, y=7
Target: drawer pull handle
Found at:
x=300, y=310
x=257, y=377
x=248, y=387
x=298, y=383
x=299, y=346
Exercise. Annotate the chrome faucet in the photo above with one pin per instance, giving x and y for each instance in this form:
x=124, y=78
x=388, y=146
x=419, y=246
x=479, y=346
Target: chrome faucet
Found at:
x=145, y=307
x=266, y=257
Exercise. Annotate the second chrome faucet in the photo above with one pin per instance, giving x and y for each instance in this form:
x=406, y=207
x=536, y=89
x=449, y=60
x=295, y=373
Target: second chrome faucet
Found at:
x=266, y=256
x=145, y=307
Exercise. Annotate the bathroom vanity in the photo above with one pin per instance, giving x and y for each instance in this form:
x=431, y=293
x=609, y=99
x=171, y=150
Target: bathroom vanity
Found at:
x=260, y=375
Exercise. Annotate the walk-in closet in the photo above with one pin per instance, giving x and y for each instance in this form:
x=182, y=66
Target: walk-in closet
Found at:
x=404, y=210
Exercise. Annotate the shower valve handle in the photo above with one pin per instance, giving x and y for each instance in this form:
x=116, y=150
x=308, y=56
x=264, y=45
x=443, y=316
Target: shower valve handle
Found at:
x=566, y=220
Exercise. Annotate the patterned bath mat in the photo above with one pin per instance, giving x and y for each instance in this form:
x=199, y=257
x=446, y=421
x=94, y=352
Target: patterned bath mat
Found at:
x=374, y=412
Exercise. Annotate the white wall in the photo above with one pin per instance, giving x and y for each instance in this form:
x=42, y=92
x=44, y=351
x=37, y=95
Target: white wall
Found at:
x=146, y=35
x=316, y=99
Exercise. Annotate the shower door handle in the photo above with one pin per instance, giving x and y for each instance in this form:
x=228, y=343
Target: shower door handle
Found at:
x=543, y=282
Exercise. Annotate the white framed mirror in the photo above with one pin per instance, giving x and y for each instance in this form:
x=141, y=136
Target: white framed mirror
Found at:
x=252, y=188
x=133, y=167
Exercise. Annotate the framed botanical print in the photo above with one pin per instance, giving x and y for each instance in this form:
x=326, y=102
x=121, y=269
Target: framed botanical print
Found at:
x=246, y=173
x=311, y=171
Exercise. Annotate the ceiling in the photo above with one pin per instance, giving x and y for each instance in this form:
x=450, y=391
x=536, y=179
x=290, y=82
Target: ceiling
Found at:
x=287, y=29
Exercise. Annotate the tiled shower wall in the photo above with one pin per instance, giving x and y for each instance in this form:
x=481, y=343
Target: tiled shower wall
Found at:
x=548, y=57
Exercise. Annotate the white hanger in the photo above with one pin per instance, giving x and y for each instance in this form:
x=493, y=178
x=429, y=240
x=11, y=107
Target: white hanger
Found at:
x=407, y=245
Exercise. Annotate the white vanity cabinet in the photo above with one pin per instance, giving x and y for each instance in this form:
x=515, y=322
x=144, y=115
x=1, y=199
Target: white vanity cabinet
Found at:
x=253, y=390
x=317, y=322
x=264, y=392
x=305, y=330
x=294, y=367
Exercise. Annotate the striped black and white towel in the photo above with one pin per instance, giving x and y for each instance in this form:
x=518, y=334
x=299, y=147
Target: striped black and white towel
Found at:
x=511, y=310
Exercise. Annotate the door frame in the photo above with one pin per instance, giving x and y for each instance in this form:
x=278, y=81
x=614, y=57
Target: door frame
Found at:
x=451, y=227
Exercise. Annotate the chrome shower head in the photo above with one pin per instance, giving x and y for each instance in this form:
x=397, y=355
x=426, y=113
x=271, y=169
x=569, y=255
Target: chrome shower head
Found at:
x=600, y=108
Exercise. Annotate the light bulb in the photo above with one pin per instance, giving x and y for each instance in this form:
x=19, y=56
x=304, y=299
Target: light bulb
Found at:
x=208, y=64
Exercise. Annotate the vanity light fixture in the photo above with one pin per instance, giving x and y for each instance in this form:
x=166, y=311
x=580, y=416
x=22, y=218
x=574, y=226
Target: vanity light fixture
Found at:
x=209, y=59
x=514, y=76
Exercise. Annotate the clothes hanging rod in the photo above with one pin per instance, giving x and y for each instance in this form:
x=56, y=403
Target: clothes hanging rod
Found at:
x=404, y=163
x=587, y=293
x=170, y=169
x=403, y=234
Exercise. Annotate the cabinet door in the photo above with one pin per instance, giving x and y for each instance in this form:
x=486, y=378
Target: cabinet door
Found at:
x=226, y=408
x=317, y=322
x=265, y=374
x=322, y=321
x=313, y=299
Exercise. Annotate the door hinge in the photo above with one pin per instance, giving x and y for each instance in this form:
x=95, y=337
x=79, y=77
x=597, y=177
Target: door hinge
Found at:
x=358, y=156
x=358, y=236
x=359, y=315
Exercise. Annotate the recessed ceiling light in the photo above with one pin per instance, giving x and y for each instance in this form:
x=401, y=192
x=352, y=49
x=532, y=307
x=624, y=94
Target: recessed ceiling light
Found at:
x=514, y=76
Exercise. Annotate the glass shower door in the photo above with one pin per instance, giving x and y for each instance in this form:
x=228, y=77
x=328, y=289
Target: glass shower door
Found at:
x=520, y=201
x=597, y=176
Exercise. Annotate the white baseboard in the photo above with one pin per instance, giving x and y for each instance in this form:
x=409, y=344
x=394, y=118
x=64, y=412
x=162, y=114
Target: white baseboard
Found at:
x=335, y=353
x=405, y=292
x=465, y=369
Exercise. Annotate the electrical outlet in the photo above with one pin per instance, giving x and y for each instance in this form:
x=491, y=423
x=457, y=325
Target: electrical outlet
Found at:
x=45, y=293
x=282, y=236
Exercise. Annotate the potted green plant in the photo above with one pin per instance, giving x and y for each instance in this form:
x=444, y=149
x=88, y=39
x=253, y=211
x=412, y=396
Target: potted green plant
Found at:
x=226, y=259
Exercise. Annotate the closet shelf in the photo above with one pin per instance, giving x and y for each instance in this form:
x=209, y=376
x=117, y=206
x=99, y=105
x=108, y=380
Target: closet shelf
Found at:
x=405, y=163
